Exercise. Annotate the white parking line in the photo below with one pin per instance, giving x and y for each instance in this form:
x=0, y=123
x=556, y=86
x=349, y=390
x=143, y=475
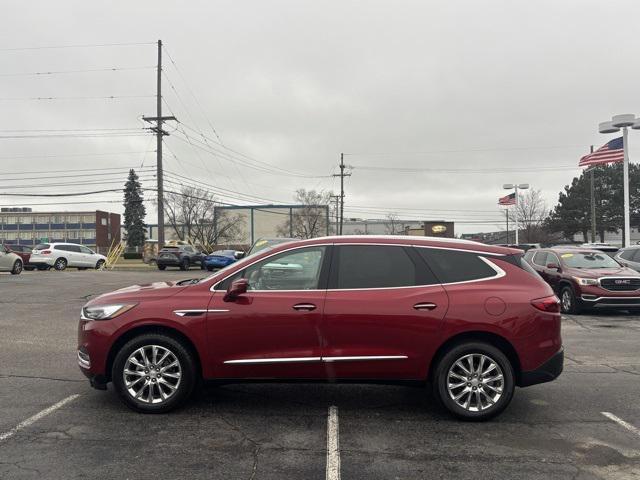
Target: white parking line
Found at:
x=333, y=445
x=621, y=422
x=36, y=417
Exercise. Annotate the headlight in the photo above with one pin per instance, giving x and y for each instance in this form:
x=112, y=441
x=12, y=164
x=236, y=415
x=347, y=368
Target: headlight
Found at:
x=586, y=281
x=104, y=312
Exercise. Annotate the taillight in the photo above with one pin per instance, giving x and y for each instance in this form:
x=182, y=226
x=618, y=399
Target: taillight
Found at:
x=547, y=304
x=45, y=252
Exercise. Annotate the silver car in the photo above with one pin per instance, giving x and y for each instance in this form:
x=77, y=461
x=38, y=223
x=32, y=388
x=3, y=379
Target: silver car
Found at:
x=63, y=255
x=9, y=261
x=629, y=257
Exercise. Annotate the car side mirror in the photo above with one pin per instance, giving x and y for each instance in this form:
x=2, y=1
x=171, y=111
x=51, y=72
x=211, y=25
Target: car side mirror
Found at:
x=553, y=266
x=238, y=255
x=237, y=288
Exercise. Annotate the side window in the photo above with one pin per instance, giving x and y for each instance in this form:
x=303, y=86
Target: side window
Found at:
x=295, y=270
x=377, y=266
x=636, y=255
x=529, y=255
x=540, y=259
x=552, y=258
x=86, y=250
x=627, y=254
x=453, y=266
x=64, y=248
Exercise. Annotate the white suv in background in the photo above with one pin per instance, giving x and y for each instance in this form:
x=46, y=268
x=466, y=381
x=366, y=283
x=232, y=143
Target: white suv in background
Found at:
x=63, y=255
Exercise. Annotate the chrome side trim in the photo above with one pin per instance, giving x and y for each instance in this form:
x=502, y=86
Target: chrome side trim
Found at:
x=249, y=361
x=217, y=310
x=189, y=313
x=364, y=357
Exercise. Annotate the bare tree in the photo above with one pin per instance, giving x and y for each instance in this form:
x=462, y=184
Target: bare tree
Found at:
x=532, y=213
x=393, y=226
x=193, y=216
x=310, y=219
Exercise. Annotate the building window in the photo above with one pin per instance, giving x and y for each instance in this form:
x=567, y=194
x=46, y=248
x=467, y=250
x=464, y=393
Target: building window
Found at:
x=11, y=236
x=88, y=218
x=10, y=220
x=73, y=219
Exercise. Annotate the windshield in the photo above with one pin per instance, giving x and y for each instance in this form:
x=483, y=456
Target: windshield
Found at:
x=588, y=260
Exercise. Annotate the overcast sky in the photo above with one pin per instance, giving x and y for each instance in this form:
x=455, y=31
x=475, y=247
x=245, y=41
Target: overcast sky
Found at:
x=440, y=86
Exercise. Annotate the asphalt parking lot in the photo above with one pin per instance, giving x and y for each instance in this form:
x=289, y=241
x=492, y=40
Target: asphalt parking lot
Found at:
x=586, y=425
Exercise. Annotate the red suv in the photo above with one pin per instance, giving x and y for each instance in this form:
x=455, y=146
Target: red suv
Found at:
x=473, y=320
x=585, y=277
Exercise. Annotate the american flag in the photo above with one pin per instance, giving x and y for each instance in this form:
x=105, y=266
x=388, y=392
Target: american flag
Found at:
x=508, y=199
x=609, y=152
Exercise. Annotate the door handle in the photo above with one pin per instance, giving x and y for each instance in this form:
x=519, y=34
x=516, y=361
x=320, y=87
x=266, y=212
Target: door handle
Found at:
x=425, y=306
x=304, y=306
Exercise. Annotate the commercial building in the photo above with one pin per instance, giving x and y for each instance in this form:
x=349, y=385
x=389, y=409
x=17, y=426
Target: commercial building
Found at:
x=22, y=226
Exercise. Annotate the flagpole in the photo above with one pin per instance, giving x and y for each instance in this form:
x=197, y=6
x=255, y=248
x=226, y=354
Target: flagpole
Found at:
x=517, y=243
x=625, y=169
x=506, y=213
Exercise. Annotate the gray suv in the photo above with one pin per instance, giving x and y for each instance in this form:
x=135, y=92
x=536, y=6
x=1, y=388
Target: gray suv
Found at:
x=629, y=257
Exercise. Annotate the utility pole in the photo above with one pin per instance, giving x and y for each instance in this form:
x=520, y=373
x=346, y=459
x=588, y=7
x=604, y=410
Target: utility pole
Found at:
x=506, y=214
x=159, y=119
x=593, y=205
x=341, y=175
x=337, y=200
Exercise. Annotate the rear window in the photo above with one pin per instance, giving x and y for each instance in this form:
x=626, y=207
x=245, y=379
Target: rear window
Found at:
x=376, y=266
x=452, y=266
x=42, y=246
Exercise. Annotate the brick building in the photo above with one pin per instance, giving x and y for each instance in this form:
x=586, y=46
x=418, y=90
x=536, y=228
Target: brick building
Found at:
x=22, y=226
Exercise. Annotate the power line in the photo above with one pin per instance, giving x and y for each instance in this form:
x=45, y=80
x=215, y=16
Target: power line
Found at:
x=78, y=135
x=64, y=72
x=105, y=97
x=78, y=155
x=82, y=175
x=51, y=47
x=474, y=171
x=467, y=150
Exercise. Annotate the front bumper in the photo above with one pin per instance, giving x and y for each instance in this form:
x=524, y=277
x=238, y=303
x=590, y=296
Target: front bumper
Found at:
x=589, y=300
x=548, y=371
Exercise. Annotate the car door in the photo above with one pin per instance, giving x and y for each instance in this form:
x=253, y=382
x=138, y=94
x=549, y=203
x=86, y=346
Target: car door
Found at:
x=273, y=330
x=539, y=263
x=553, y=275
x=6, y=259
x=383, y=312
x=88, y=256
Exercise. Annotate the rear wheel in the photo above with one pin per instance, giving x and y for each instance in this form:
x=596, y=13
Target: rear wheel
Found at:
x=568, y=301
x=154, y=373
x=61, y=264
x=474, y=381
x=161, y=267
x=17, y=268
x=184, y=265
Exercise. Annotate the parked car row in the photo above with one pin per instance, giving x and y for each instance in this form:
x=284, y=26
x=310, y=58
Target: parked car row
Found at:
x=587, y=278
x=44, y=256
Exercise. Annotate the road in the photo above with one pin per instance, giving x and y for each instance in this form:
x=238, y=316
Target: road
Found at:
x=279, y=431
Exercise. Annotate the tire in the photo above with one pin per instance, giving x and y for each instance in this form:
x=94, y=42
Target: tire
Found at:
x=568, y=301
x=162, y=267
x=17, y=268
x=61, y=264
x=184, y=265
x=100, y=264
x=202, y=266
x=210, y=269
x=183, y=385
x=466, y=406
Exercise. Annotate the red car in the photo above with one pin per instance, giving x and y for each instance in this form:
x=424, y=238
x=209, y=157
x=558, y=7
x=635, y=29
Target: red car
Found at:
x=473, y=320
x=585, y=277
x=24, y=253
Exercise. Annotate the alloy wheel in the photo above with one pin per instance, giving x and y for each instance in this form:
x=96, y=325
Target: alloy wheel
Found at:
x=60, y=264
x=566, y=301
x=152, y=374
x=475, y=382
x=17, y=268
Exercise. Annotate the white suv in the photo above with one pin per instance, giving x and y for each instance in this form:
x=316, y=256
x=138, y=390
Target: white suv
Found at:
x=63, y=255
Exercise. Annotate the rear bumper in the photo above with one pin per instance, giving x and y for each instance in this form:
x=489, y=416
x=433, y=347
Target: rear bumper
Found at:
x=548, y=371
x=42, y=261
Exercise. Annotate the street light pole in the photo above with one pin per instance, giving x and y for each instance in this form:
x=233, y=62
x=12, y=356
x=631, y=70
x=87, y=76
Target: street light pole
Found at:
x=618, y=122
x=516, y=186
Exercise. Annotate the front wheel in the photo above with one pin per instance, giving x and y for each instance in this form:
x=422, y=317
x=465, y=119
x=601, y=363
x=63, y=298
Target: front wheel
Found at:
x=100, y=265
x=61, y=264
x=568, y=301
x=474, y=381
x=184, y=265
x=17, y=268
x=154, y=373
x=162, y=267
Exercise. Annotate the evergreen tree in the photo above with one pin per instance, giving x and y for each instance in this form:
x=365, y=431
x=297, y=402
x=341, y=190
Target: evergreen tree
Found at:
x=134, y=211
